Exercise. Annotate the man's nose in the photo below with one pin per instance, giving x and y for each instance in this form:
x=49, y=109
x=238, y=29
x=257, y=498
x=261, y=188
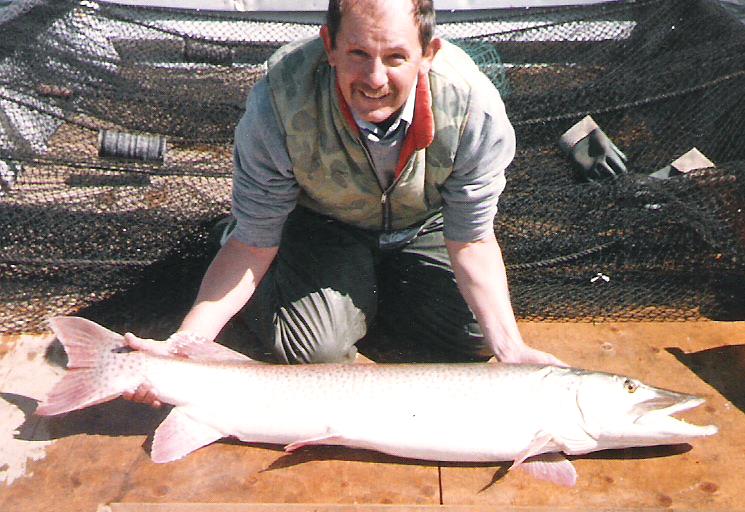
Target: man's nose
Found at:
x=377, y=74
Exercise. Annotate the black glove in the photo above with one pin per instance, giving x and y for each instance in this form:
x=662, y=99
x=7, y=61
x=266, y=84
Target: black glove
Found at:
x=595, y=157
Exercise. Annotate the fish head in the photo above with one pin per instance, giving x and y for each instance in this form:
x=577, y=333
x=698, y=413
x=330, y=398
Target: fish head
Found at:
x=621, y=412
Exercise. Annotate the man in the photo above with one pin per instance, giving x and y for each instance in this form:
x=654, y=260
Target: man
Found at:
x=368, y=166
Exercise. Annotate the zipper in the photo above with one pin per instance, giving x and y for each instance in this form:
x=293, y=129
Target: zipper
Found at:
x=385, y=205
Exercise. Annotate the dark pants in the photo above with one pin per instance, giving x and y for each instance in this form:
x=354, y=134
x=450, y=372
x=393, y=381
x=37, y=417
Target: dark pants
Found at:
x=330, y=281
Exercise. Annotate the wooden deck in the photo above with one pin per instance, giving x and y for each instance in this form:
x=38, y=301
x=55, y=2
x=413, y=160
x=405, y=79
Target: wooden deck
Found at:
x=94, y=459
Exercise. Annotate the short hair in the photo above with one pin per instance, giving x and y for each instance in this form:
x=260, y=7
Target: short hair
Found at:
x=424, y=19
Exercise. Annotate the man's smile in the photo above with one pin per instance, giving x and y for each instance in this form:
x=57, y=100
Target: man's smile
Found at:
x=373, y=95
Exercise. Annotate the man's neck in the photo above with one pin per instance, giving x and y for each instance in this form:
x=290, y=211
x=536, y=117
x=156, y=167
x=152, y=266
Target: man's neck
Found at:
x=405, y=113
x=388, y=122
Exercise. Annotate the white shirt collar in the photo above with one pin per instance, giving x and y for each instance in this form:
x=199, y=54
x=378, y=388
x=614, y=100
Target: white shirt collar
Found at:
x=406, y=114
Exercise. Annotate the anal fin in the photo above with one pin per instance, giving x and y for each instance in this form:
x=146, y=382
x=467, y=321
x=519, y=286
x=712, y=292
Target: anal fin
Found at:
x=536, y=447
x=179, y=435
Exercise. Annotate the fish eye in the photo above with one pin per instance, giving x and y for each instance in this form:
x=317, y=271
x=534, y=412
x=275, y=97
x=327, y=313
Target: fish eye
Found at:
x=630, y=386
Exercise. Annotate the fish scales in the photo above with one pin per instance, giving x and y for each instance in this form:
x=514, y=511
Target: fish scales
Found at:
x=405, y=410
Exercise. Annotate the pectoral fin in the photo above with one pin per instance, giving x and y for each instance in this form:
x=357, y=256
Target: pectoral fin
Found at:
x=179, y=435
x=536, y=447
x=553, y=467
x=327, y=438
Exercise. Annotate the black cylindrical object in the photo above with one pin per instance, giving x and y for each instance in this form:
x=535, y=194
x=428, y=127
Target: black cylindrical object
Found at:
x=131, y=146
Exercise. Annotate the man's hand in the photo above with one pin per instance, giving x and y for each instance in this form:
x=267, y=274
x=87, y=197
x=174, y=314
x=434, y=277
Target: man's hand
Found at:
x=143, y=394
x=523, y=354
x=480, y=273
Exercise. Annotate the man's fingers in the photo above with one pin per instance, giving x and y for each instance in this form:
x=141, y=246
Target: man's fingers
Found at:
x=536, y=356
x=143, y=395
x=131, y=340
x=136, y=342
x=540, y=357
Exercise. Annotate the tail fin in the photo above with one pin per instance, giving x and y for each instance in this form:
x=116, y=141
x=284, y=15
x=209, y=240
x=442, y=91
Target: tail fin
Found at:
x=97, y=372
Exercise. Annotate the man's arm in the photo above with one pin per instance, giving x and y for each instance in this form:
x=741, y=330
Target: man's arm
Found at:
x=227, y=286
x=264, y=193
x=482, y=280
x=470, y=197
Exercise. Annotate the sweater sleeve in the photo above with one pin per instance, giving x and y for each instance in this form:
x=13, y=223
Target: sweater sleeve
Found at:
x=264, y=187
x=487, y=147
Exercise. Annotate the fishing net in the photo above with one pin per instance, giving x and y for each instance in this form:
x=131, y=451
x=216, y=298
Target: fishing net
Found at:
x=116, y=127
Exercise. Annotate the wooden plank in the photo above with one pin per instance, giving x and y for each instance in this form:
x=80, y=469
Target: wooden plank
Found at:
x=703, y=358
x=97, y=456
x=299, y=507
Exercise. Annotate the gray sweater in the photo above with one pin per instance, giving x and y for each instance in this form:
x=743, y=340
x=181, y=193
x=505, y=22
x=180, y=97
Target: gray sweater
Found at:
x=265, y=190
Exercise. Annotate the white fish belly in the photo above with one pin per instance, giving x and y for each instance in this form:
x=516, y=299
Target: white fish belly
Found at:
x=435, y=412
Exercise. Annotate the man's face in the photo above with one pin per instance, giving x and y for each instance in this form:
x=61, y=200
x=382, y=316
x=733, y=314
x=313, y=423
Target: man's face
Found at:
x=377, y=56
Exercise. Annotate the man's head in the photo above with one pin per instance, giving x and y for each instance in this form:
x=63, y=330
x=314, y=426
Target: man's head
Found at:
x=422, y=10
x=378, y=48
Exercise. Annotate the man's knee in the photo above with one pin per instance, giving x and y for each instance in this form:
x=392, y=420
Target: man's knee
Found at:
x=321, y=329
x=289, y=350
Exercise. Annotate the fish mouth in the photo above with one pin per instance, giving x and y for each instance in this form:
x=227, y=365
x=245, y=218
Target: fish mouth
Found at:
x=657, y=414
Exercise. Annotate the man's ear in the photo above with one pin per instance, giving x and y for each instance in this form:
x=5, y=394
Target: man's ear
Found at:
x=326, y=37
x=429, y=55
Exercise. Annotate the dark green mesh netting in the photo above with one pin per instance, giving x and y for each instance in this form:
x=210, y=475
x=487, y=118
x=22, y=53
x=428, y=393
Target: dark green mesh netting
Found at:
x=127, y=234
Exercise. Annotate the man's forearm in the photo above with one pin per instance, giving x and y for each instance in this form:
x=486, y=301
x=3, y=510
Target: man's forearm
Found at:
x=480, y=273
x=482, y=280
x=228, y=284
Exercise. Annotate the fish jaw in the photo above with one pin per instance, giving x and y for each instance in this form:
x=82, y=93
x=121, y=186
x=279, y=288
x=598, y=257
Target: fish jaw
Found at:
x=656, y=417
x=634, y=414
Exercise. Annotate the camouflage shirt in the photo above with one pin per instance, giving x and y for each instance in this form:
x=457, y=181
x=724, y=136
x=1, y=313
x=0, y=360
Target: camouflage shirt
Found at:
x=266, y=187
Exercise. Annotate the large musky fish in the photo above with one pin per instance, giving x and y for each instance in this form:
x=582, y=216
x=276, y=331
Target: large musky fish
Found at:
x=443, y=412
